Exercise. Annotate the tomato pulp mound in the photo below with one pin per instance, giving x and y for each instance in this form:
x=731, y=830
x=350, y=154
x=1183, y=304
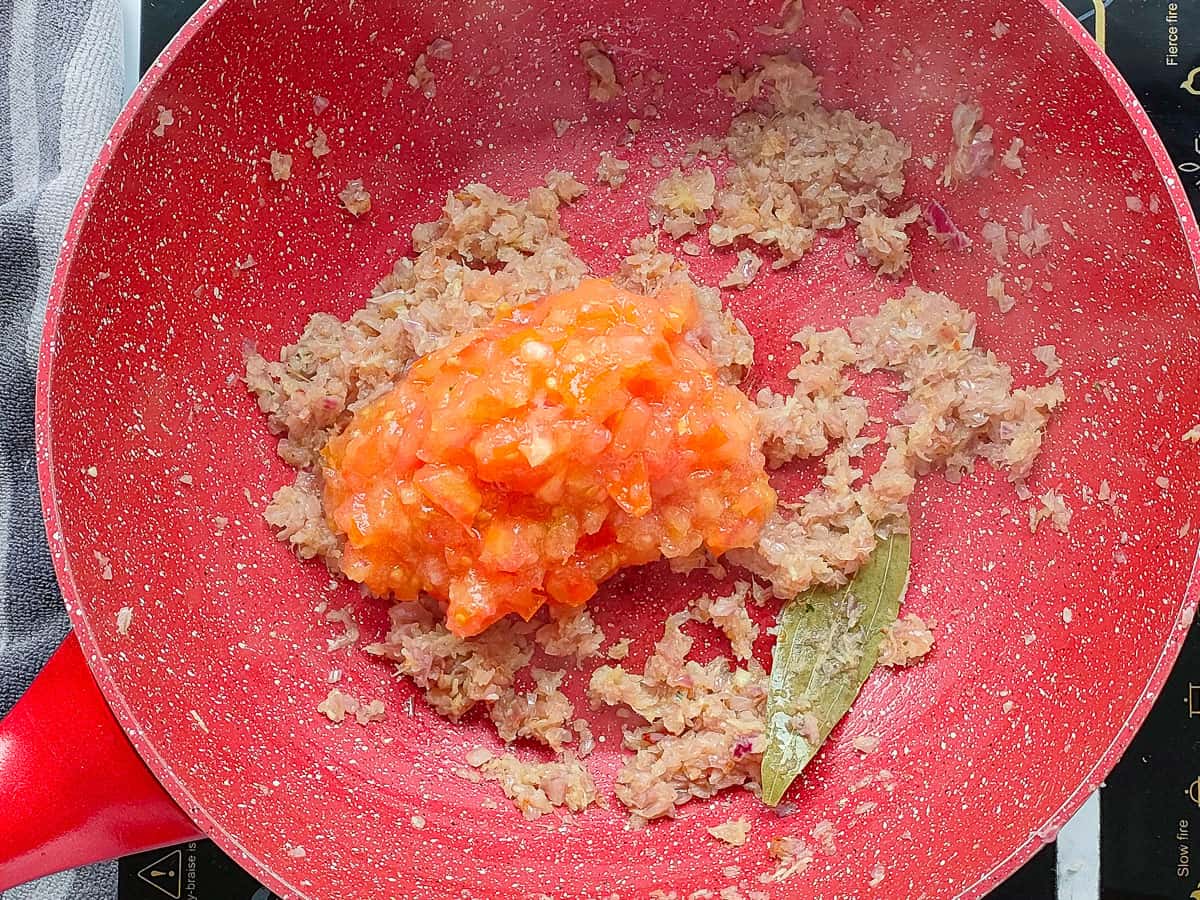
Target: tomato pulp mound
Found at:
x=531, y=459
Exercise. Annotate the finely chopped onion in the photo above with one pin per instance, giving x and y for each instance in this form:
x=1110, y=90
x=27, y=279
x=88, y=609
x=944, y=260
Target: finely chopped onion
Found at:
x=695, y=729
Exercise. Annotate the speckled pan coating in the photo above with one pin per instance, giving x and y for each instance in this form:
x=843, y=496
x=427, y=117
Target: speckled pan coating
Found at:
x=219, y=676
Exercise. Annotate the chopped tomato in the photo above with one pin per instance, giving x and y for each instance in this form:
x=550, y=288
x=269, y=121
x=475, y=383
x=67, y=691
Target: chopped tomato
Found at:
x=533, y=458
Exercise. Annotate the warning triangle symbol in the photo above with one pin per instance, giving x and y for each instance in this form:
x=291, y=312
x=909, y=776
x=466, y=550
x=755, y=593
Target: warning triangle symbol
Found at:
x=165, y=874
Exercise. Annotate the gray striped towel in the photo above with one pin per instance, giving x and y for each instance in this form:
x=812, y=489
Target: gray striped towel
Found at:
x=61, y=78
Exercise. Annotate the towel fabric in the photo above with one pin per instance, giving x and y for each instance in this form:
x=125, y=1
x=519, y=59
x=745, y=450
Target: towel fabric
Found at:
x=61, y=78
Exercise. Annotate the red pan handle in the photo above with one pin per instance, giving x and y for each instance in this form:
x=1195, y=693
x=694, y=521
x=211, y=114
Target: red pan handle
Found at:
x=72, y=788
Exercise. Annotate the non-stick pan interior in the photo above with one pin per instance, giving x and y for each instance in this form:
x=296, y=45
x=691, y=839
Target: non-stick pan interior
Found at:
x=158, y=465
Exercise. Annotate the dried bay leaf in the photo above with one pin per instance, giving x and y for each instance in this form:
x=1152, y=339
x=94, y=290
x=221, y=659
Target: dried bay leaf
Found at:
x=827, y=645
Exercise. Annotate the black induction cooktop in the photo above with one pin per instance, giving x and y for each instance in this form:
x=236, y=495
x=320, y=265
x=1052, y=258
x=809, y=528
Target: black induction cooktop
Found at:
x=1149, y=835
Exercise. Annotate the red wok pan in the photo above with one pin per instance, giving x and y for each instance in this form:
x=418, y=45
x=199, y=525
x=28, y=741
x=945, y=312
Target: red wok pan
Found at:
x=1051, y=648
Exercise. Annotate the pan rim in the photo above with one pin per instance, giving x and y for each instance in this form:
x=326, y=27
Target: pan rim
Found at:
x=1191, y=592
x=149, y=754
x=175, y=785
